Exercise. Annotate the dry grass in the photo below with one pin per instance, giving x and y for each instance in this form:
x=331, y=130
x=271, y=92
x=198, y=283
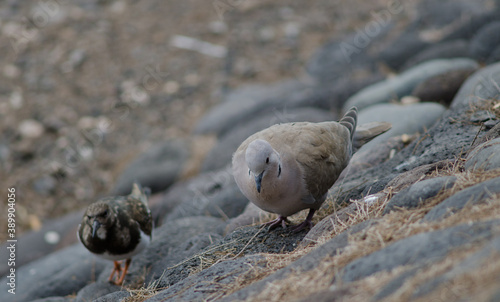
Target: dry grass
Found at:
x=388, y=229
x=143, y=293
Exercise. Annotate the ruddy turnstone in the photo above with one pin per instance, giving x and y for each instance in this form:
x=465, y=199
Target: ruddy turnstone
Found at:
x=117, y=228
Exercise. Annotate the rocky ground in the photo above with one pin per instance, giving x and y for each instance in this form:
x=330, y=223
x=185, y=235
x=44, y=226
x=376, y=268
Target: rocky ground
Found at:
x=100, y=94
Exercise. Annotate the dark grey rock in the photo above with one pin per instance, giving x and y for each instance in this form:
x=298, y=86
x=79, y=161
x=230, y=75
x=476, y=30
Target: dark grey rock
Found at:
x=493, y=58
x=482, y=85
x=471, y=195
x=404, y=83
x=420, y=249
x=492, y=133
x=489, y=124
x=242, y=104
x=113, y=297
x=443, y=141
x=221, y=155
x=377, y=185
x=34, y=245
x=276, y=100
x=485, y=41
x=447, y=138
x=208, y=283
x=394, y=284
x=157, y=168
x=396, y=53
x=443, y=50
x=481, y=116
x=374, y=155
x=327, y=96
x=468, y=27
x=485, y=156
x=416, y=195
x=209, y=194
x=495, y=297
x=96, y=290
x=433, y=14
x=249, y=216
x=54, y=299
x=241, y=242
x=167, y=242
x=442, y=88
x=308, y=262
x=408, y=178
x=470, y=263
x=61, y=273
x=177, y=265
x=405, y=119
x=339, y=91
x=341, y=57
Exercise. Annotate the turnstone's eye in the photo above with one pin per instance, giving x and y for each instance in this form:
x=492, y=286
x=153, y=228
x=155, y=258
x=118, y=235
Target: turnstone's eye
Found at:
x=105, y=213
x=267, y=160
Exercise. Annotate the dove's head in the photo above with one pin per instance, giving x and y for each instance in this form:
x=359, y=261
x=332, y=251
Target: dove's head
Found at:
x=262, y=160
x=100, y=217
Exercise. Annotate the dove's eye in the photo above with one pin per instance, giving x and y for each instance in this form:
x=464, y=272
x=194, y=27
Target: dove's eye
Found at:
x=267, y=160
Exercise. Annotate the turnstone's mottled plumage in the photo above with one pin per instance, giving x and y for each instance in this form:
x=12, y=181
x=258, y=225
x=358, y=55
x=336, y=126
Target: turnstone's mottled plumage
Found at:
x=117, y=228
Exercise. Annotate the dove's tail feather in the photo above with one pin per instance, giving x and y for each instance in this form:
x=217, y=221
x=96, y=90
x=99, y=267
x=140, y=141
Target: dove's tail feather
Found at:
x=366, y=132
x=349, y=120
x=140, y=193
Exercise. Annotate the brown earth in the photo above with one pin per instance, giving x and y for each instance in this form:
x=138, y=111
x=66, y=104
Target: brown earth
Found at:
x=102, y=82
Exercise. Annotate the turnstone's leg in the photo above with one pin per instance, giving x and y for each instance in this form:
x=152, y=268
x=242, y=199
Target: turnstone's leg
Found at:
x=275, y=223
x=117, y=268
x=124, y=272
x=306, y=224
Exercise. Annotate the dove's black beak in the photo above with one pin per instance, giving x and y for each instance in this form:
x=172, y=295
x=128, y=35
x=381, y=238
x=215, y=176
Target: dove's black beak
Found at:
x=258, y=181
x=95, y=226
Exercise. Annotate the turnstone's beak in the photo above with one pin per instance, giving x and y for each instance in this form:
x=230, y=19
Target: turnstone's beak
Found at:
x=258, y=181
x=95, y=226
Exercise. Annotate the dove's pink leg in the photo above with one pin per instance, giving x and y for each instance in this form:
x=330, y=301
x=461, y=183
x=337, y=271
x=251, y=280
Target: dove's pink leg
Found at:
x=306, y=224
x=275, y=223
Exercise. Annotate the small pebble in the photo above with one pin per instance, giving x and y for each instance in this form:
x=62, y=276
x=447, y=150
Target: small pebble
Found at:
x=11, y=71
x=171, y=87
x=267, y=34
x=16, y=99
x=406, y=100
x=217, y=27
x=291, y=30
x=118, y=7
x=31, y=129
x=192, y=79
x=52, y=237
x=86, y=122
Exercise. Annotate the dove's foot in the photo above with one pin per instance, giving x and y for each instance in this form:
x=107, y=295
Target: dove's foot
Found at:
x=306, y=224
x=276, y=223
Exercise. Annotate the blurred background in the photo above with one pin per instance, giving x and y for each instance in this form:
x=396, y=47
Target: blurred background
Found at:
x=86, y=86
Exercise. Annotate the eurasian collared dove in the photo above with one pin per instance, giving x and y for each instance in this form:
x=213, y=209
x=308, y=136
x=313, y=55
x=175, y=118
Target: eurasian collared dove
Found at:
x=289, y=167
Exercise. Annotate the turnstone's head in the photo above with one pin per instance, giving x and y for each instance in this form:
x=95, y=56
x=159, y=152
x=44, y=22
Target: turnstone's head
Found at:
x=99, y=218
